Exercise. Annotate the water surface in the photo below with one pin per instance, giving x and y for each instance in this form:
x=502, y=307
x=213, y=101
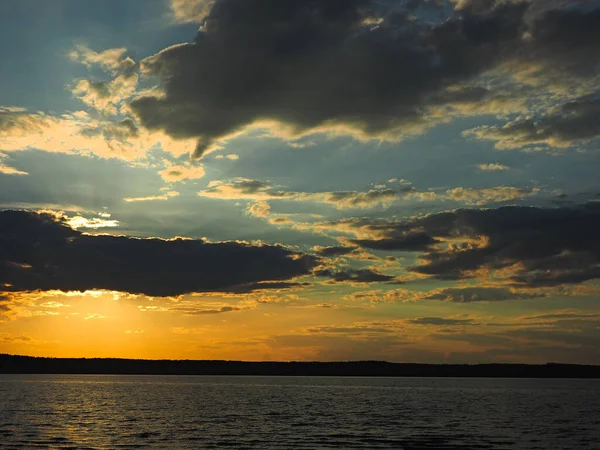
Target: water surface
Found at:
x=184, y=412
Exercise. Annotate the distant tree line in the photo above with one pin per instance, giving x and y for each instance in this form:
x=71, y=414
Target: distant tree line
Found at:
x=14, y=364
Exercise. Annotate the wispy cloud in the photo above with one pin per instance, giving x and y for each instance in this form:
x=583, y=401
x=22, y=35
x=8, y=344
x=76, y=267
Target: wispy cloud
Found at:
x=152, y=198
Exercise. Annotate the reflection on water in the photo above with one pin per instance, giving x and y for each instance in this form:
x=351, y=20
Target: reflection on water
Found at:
x=79, y=411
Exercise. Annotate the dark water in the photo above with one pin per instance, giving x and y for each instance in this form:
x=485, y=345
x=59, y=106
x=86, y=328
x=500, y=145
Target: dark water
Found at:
x=54, y=411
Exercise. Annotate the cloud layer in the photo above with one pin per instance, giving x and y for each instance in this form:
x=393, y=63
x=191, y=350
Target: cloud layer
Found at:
x=524, y=246
x=40, y=252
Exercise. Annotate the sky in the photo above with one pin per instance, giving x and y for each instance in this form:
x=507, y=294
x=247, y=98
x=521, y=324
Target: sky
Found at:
x=400, y=180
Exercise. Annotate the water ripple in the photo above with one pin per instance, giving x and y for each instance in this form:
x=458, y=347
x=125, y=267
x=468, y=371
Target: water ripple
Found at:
x=129, y=412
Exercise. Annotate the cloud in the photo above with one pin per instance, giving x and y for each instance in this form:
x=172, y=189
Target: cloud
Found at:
x=259, y=209
x=492, y=167
x=527, y=246
x=483, y=196
x=200, y=312
x=271, y=286
x=174, y=174
x=351, y=199
x=459, y=294
x=522, y=246
x=246, y=189
x=191, y=11
x=113, y=60
x=90, y=223
x=11, y=170
x=279, y=65
x=73, y=133
x=7, y=170
x=53, y=304
x=480, y=294
x=354, y=329
x=108, y=96
x=415, y=241
x=242, y=188
x=152, y=198
x=40, y=252
x=333, y=251
x=573, y=123
x=81, y=134
x=94, y=317
x=354, y=276
x=440, y=321
x=293, y=55
x=230, y=157
x=563, y=315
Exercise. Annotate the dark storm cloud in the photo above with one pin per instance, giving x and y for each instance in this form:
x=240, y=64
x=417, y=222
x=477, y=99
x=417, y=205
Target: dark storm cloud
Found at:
x=317, y=63
x=568, y=38
x=354, y=276
x=534, y=247
x=40, y=252
x=374, y=67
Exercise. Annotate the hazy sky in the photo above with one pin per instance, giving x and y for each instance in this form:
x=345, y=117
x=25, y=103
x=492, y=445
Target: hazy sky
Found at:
x=301, y=180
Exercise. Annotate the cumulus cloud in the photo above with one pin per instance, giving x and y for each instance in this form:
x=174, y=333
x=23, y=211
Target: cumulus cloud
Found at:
x=471, y=196
x=41, y=252
x=259, y=209
x=492, y=167
x=173, y=174
x=94, y=317
x=72, y=133
x=106, y=96
x=113, y=60
x=82, y=134
x=230, y=157
x=293, y=55
x=362, y=67
x=191, y=11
